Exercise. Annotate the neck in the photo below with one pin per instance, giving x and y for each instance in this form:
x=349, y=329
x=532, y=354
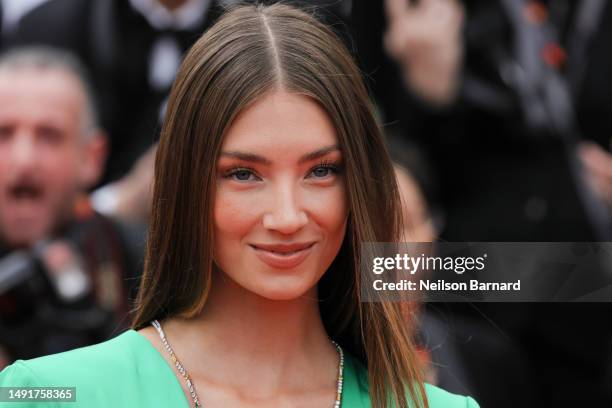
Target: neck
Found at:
x=276, y=342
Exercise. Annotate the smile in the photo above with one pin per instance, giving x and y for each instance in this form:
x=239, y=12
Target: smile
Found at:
x=283, y=256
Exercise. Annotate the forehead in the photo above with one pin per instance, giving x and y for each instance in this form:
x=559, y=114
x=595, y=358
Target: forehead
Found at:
x=40, y=93
x=281, y=123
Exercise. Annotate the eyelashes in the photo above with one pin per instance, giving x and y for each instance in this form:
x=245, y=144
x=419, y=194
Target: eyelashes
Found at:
x=237, y=172
x=326, y=166
x=320, y=171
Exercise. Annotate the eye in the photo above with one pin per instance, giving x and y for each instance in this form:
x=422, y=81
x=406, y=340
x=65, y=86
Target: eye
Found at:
x=321, y=171
x=241, y=175
x=49, y=134
x=6, y=131
x=324, y=170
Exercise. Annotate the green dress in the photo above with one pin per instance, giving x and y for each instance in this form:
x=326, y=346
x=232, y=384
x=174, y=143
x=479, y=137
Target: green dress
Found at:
x=127, y=371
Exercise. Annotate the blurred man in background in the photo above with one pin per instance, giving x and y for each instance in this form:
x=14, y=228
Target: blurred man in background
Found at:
x=64, y=270
x=133, y=49
x=50, y=147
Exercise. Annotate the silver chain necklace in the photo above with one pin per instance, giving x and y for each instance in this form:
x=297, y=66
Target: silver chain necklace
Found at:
x=191, y=388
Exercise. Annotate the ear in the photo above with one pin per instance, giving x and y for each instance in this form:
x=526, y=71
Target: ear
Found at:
x=95, y=151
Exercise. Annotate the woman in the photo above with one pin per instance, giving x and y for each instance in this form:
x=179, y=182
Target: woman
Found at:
x=270, y=173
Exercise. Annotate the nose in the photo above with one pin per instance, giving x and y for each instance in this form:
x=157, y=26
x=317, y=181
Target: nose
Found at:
x=23, y=155
x=287, y=215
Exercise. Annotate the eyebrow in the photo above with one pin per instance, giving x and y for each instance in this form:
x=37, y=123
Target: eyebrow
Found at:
x=251, y=157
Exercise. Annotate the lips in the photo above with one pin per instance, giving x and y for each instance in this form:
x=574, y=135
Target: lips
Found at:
x=24, y=191
x=283, y=256
x=24, y=201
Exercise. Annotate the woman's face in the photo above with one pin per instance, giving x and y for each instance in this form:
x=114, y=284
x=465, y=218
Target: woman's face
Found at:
x=280, y=206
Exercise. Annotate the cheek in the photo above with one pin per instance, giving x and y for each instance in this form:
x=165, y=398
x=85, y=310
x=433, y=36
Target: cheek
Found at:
x=328, y=208
x=5, y=166
x=234, y=215
x=330, y=213
x=64, y=159
x=63, y=175
x=59, y=165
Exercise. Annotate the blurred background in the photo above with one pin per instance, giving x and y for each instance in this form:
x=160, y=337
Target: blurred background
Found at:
x=498, y=115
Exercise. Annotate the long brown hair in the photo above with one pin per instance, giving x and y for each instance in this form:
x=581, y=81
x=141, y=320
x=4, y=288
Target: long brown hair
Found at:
x=251, y=50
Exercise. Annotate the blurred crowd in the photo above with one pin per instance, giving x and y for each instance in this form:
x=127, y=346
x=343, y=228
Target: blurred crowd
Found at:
x=498, y=115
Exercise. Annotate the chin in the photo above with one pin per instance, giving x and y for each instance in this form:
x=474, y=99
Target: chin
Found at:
x=282, y=291
x=271, y=283
x=23, y=239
